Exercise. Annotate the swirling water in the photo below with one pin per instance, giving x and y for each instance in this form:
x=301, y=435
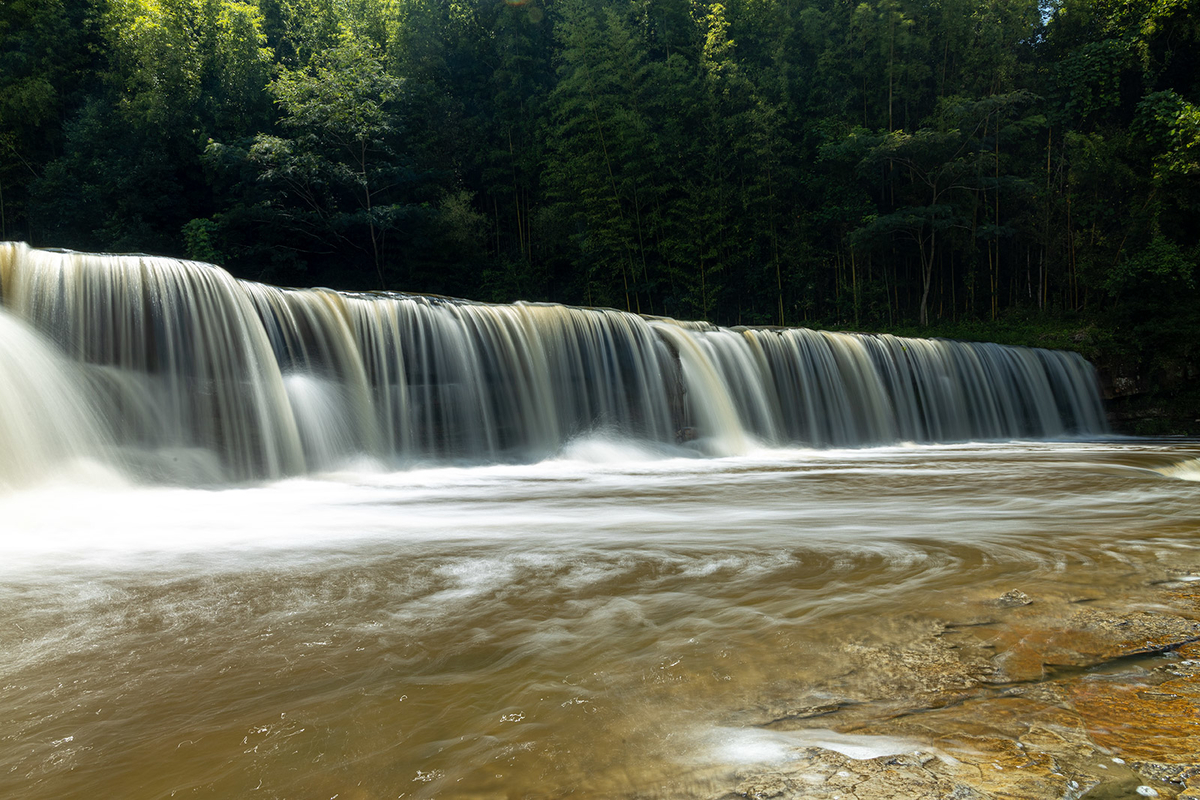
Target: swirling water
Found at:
x=258, y=542
x=607, y=623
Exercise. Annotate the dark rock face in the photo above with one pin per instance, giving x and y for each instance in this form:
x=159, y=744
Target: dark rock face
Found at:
x=1150, y=397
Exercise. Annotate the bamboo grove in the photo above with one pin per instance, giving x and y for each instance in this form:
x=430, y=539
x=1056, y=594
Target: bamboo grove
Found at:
x=755, y=161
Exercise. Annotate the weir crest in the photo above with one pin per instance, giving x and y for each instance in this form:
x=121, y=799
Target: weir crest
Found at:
x=176, y=370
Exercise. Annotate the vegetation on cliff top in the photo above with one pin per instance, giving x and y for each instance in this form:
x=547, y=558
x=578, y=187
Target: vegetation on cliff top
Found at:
x=1016, y=170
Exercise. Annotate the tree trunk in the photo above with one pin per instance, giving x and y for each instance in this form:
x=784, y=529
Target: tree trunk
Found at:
x=927, y=277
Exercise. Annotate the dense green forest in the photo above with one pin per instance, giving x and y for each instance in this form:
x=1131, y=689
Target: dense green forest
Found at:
x=864, y=164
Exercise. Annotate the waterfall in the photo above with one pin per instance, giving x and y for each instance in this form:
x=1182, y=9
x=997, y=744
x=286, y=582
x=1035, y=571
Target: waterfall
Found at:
x=178, y=371
x=45, y=417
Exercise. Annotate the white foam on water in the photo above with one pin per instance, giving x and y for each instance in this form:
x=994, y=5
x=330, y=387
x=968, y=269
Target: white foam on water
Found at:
x=49, y=425
x=758, y=746
x=1185, y=470
x=742, y=513
x=749, y=746
x=602, y=448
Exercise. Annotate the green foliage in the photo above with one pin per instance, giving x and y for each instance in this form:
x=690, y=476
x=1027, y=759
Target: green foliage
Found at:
x=877, y=163
x=198, y=235
x=1171, y=127
x=1088, y=80
x=335, y=174
x=1159, y=266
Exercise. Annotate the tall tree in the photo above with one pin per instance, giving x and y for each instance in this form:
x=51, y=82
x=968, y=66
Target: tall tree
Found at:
x=336, y=169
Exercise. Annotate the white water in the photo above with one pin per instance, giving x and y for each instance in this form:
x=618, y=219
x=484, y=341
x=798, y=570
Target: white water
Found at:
x=200, y=378
x=306, y=543
x=46, y=423
x=616, y=622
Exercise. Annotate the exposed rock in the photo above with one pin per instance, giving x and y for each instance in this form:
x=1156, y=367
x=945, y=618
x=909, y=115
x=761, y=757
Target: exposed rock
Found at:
x=1013, y=599
x=1152, y=723
x=1180, y=774
x=1085, y=637
x=1053, y=700
x=825, y=775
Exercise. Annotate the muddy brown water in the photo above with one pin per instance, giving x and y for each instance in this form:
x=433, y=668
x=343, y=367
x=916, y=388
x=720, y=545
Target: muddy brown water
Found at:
x=608, y=624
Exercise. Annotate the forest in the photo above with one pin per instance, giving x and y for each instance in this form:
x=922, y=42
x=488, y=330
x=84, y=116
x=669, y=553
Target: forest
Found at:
x=936, y=164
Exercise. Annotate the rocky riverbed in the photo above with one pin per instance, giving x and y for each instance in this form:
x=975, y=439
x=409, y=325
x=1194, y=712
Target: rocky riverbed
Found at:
x=1036, y=691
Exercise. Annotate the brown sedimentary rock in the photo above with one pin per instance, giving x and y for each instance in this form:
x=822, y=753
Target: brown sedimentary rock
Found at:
x=1047, y=699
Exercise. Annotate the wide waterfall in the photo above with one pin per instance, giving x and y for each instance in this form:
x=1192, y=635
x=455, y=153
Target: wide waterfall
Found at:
x=176, y=371
x=303, y=543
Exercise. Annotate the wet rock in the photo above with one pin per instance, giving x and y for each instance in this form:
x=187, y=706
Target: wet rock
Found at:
x=1112, y=635
x=818, y=774
x=778, y=715
x=761, y=787
x=1157, y=772
x=1150, y=723
x=1002, y=768
x=927, y=665
x=1084, y=637
x=977, y=768
x=1013, y=599
x=908, y=666
x=1052, y=700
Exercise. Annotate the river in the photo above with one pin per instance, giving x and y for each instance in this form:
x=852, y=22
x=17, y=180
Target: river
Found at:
x=620, y=620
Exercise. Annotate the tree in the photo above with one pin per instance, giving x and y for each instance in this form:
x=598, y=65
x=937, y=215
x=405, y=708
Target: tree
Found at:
x=48, y=65
x=336, y=171
x=601, y=166
x=128, y=174
x=939, y=168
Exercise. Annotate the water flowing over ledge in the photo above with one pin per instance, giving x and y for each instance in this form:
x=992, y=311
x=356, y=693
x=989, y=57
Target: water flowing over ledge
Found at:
x=176, y=370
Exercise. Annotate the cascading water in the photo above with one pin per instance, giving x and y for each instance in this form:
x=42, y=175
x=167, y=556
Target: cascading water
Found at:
x=584, y=610
x=46, y=420
x=188, y=374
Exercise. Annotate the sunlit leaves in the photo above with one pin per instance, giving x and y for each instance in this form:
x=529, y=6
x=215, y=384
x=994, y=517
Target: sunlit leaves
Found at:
x=341, y=96
x=1172, y=126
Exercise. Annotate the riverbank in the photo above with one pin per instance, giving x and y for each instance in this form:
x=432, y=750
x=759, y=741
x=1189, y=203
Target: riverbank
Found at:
x=1036, y=692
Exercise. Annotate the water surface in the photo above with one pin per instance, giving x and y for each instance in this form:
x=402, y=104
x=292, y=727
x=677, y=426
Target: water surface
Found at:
x=616, y=622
